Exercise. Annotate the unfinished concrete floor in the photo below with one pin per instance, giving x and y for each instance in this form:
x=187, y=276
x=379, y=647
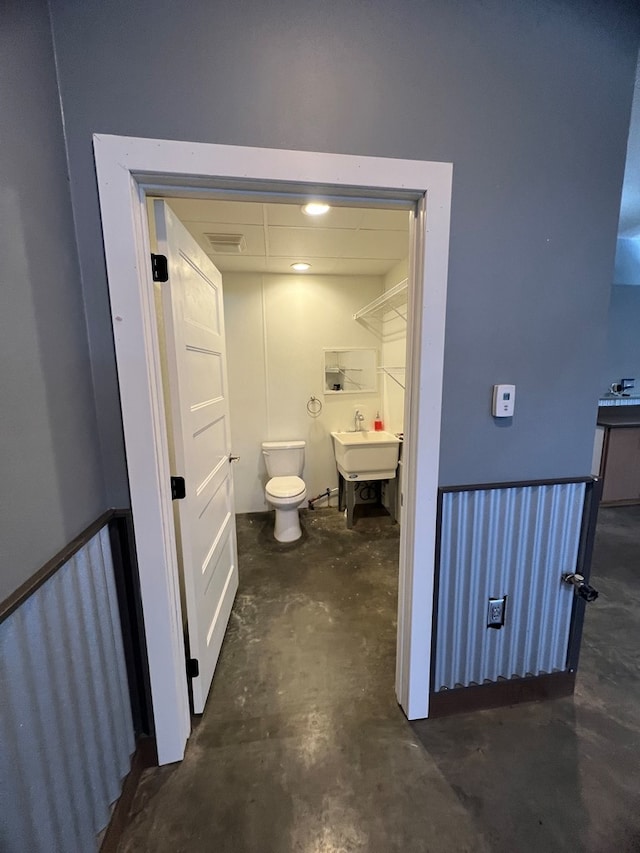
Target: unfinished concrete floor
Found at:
x=303, y=748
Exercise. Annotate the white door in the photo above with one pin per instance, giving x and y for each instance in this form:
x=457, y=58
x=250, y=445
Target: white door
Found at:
x=197, y=374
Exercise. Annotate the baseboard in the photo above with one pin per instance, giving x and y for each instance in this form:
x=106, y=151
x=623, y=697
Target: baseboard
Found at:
x=500, y=693
x=145, y=756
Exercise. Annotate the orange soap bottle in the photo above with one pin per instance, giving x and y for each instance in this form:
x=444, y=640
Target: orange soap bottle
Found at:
x=377, y=424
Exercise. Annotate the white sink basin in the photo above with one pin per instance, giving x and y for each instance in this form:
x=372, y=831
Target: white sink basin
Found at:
x=366, y=455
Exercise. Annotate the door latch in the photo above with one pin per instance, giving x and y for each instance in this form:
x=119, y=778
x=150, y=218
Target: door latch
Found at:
x=159, y=267
x=178, y=489
x=233, y=458
x=588, y=593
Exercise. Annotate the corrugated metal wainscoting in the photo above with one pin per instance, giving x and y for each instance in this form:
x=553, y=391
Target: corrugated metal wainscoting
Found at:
x=514, y=541
x=66, y=732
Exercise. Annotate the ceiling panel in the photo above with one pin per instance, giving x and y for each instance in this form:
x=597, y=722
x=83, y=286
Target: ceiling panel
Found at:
x=239, y=263
x=292, y=215
x=209, y=210
x=358, y=266
x=320, y=266
x=324, y=266
x=337, y=243
x=385, y=220
x=338, y=217
x=346, y=241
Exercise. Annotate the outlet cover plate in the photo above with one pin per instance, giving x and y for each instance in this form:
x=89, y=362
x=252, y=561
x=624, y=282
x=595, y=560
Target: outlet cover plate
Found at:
x=496, y=612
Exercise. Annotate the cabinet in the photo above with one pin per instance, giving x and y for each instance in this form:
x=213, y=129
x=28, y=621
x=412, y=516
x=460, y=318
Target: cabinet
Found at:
x=621, y=465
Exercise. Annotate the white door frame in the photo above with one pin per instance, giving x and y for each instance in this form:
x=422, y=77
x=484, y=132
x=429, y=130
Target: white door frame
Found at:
x=126, y=168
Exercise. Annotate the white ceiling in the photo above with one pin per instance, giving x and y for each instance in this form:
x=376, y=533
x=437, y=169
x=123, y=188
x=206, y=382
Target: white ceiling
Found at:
x=344, y=241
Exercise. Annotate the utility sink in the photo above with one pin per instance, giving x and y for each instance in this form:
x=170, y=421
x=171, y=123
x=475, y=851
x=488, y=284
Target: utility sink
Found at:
x=366, y=455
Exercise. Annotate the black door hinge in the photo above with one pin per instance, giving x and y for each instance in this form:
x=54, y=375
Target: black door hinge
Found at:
x=159, y=267
x=193, y=667
x=178, y=488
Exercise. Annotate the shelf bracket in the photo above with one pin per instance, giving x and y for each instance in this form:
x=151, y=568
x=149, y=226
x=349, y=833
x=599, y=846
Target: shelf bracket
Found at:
x=388, y=373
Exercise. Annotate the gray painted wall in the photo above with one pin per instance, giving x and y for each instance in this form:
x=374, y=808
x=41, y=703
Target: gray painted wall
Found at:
x=51, y=482
x=622, y=357
x=531, y=103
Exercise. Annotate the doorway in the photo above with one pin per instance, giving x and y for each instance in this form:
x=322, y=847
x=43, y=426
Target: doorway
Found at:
x=305, y=348
x=128, y=171
x=278, y=325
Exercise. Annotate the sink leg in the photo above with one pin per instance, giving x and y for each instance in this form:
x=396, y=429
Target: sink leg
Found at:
x=351, y=502
x=340, y=492
x=391, y=497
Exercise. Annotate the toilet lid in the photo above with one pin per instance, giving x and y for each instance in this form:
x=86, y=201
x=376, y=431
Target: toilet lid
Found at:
x=285, y=487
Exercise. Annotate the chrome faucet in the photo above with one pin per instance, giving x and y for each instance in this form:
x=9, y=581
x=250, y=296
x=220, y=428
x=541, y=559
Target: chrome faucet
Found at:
x=358, y=418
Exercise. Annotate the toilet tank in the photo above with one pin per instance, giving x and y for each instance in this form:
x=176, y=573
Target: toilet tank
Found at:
x=283, y=458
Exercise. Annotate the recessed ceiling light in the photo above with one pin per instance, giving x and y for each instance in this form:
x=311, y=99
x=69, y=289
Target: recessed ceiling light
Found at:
x=315, y=208
x=300, y=267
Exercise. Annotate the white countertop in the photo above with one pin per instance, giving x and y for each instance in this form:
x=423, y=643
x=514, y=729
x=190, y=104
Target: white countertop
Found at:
x=615, y=400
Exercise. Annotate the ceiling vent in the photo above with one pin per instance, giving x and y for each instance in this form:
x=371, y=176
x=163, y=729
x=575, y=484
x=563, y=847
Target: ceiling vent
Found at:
x=227, y=244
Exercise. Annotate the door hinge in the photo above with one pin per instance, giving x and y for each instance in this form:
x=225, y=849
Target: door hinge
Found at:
x=159, y=267
x=193, y=667
x=178, y=488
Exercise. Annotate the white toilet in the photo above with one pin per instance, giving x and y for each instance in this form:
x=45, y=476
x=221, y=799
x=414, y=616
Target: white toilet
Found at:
x=285, y=491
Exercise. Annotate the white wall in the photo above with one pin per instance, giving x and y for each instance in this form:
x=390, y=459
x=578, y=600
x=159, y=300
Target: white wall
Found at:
x=622, y=357
x=394, y=346
x=277, y=327
x=627, y=264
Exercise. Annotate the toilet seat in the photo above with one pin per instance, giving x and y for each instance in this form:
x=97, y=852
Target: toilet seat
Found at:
x=285, y=487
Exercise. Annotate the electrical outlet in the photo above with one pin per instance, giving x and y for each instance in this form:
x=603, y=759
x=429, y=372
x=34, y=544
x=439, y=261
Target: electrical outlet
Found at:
x=496, y=612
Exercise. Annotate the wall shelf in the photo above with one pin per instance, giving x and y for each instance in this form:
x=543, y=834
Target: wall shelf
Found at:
x=391, y=300
x=350, y=371
x=343, y=372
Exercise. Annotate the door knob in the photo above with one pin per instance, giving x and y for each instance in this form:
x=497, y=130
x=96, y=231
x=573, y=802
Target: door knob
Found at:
x=233, y=458
x=580, y=587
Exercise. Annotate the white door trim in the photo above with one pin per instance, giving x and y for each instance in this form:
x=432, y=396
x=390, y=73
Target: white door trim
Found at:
x=125, y=166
